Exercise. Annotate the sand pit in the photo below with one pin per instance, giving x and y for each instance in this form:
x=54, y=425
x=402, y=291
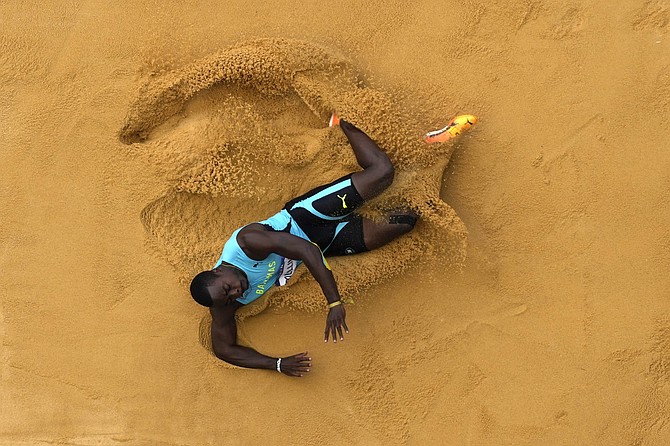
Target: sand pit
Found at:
x=138, y=136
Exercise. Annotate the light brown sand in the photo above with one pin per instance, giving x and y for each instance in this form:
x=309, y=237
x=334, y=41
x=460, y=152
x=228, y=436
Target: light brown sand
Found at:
x=546, y=321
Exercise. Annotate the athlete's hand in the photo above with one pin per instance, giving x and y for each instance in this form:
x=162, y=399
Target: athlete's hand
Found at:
x=296, y=365
x=335, y=321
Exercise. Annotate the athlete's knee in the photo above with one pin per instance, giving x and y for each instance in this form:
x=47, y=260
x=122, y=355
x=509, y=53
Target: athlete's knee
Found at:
x=404, y=222
x=386, y=172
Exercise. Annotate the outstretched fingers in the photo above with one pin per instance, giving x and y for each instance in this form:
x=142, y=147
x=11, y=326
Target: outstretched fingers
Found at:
x=296, y=365
x=335, y=322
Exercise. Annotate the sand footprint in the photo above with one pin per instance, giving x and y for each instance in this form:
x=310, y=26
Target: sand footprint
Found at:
x=570, y=24
x=652, y=15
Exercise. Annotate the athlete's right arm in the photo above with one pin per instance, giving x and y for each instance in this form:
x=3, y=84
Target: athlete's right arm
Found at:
x=224, y=344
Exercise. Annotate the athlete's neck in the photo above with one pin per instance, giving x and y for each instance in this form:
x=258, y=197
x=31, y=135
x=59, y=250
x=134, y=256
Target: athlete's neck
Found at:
x=230, y=265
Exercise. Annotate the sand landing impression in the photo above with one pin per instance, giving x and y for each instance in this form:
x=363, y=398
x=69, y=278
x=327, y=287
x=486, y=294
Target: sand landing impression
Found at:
x=531, y=306
x=254, y=135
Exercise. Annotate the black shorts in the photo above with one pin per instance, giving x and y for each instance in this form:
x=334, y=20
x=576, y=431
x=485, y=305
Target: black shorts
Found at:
x=327, y=216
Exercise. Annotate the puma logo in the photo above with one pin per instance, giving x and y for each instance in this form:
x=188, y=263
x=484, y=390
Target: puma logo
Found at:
x=344, y=205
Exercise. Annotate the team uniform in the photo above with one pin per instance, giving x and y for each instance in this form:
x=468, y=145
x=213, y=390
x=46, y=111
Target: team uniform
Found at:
x=324, y=216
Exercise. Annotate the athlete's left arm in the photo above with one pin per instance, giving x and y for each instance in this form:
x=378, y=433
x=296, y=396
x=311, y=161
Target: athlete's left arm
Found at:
x=261, y=243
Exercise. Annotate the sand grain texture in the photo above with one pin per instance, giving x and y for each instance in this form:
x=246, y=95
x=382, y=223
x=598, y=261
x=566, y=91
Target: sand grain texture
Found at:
x=530, y=306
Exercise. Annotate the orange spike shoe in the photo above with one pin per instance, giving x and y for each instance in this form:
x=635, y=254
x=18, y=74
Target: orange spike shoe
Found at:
x=458, y=125
x=334, y=120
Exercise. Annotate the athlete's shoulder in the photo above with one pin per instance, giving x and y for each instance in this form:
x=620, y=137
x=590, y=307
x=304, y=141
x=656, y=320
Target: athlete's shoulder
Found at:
x=257, y=242
x=251, y=233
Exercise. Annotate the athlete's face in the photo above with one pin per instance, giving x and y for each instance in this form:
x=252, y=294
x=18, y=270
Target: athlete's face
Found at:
x=229, y=284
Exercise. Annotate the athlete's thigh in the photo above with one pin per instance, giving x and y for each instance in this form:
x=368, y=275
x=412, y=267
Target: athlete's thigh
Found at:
x=359, y=234
x=348, y=238
x=330, y=202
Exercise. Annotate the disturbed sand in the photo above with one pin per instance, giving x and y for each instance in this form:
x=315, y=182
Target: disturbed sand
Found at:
x=530, y=306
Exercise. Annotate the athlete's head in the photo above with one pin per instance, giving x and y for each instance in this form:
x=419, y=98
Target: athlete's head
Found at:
x=200, y=288
x=219, y=286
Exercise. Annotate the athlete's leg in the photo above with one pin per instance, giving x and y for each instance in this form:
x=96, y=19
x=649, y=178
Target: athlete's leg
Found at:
x=361, y=234
x=376, y=235
x=377, y=172
x=326, y=213
x=321, y=212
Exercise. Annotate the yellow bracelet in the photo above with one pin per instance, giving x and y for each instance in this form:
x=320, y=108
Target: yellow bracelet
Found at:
x=334, y=304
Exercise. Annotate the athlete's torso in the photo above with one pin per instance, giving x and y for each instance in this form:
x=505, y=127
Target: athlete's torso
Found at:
x=272, y=270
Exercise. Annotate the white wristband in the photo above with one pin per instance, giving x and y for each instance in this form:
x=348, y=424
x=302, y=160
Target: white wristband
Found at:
x=279, y=365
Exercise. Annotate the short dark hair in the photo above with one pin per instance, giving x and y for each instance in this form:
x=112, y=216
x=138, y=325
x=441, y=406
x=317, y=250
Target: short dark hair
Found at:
x=199, y=290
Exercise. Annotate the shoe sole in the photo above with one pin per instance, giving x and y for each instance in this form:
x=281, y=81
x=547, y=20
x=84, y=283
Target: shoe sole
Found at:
x=458, y=125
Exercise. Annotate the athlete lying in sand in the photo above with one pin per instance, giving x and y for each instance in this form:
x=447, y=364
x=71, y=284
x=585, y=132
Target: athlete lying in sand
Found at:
x=309, y=228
